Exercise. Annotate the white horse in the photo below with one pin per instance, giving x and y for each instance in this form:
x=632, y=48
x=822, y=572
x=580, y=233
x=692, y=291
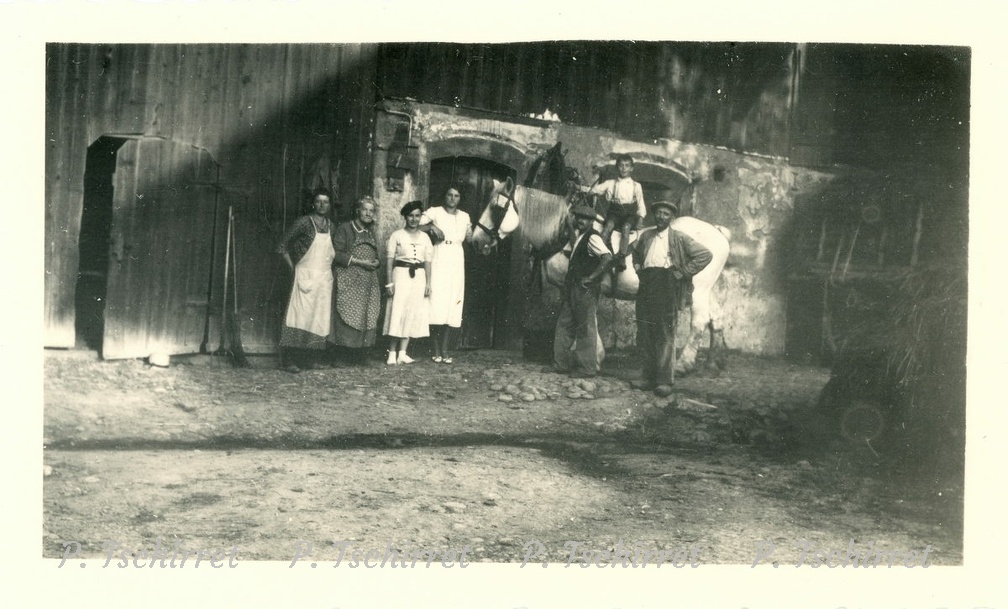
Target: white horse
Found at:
x=547, y=219
x=500, y=217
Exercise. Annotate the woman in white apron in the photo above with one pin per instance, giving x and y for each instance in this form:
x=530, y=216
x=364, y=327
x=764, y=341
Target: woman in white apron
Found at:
x=308, y=250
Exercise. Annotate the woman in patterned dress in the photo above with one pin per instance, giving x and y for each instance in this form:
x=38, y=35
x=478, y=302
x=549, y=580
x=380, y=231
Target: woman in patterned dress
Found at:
x=451, y=228
x=308, y=251
x=408, y=267
x=357, y=302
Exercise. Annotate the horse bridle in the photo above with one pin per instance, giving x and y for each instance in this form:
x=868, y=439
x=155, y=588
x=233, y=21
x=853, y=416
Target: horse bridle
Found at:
x=495, y=231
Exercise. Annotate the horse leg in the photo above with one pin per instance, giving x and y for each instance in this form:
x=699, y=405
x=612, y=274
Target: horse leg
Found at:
x=718, y=358
x=599, y=349
x=700, y=320
x=686, y=362
x=715, y=355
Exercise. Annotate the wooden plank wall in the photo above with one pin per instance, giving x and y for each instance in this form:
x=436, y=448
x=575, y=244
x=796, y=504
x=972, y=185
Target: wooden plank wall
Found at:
x=897, y=105
x=267, y=114
x=729, y=94
x=158, y=279
x=280, y=117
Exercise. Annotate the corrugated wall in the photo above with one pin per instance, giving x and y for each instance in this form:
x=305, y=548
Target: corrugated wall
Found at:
x=277, y=118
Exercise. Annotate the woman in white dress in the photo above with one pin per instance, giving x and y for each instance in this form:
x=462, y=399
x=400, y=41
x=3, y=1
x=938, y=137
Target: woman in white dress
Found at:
x=408, y=267
x=450, y=228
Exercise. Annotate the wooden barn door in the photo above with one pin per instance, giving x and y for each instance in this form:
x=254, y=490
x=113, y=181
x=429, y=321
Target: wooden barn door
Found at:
x=484, y=314
x=160, y=249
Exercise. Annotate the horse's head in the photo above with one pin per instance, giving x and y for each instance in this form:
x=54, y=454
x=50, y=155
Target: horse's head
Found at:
x=499, y=218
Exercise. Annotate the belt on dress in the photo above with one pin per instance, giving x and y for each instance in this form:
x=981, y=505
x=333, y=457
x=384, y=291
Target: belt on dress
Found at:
x=412, y=266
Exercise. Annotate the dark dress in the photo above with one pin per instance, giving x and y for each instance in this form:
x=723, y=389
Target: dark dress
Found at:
x=357, y=301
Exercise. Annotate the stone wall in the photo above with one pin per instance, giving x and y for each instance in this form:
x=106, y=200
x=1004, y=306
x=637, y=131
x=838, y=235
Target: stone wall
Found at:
x=753, y=196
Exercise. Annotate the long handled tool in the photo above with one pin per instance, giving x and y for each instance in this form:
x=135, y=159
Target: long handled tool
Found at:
x=237, y=350
x=231, y=325
x=214, y=244
x=227, y=270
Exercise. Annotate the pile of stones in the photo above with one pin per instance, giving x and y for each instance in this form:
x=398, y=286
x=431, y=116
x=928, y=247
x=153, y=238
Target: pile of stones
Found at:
x=554, y=387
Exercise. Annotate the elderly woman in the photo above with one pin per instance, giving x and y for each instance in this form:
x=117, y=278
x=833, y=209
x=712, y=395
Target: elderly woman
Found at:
x=308, y=251
x=357, y=303
x=408, y=266
x=450, y=227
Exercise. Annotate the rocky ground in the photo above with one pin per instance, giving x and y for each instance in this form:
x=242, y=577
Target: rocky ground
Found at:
x=490, y=454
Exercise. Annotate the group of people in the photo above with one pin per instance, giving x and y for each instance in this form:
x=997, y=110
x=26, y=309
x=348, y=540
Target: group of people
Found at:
x=665, y=261
x=336, y=294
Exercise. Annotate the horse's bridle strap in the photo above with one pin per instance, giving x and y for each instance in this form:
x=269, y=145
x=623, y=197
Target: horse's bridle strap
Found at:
x=495, y=231
x=491, y=232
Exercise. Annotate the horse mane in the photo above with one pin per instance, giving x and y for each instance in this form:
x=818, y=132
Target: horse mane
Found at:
x=546, y=199
x=550, y=173
x=543, y=216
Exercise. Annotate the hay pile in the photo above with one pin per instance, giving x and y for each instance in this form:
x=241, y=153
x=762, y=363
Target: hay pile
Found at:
x=912, y=360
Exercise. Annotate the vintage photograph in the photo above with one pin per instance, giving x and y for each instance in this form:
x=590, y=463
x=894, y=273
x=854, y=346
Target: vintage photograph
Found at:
x=653, y=304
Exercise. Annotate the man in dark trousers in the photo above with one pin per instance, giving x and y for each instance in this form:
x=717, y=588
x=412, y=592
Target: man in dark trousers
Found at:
x=577, y=325
x=665, y=261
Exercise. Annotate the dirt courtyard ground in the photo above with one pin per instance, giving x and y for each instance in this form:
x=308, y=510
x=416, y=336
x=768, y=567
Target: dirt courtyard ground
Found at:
x=491, y=455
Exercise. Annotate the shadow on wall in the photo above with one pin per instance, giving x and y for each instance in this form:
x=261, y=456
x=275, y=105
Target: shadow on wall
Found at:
x=851, y=241
x=267, y=172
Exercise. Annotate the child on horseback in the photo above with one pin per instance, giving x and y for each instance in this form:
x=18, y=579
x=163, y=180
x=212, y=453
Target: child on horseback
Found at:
x=626, y=209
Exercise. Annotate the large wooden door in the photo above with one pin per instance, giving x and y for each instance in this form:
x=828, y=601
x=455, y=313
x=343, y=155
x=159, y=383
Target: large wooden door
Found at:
x=160, y=251
x=484, y=314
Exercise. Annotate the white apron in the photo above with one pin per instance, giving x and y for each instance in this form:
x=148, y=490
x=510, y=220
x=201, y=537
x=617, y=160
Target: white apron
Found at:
x=310, y=306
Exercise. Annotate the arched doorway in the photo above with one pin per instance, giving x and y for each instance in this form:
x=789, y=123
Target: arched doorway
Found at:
x=485, y=322
x=659, y=183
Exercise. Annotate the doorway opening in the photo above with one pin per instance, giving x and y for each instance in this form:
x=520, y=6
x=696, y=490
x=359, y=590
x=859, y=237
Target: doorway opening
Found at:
x=485, y=320
x=658, y=183
x=93, y=246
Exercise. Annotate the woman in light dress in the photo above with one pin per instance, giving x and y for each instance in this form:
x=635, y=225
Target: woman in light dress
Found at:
x=450, y=228
x=408, y=267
